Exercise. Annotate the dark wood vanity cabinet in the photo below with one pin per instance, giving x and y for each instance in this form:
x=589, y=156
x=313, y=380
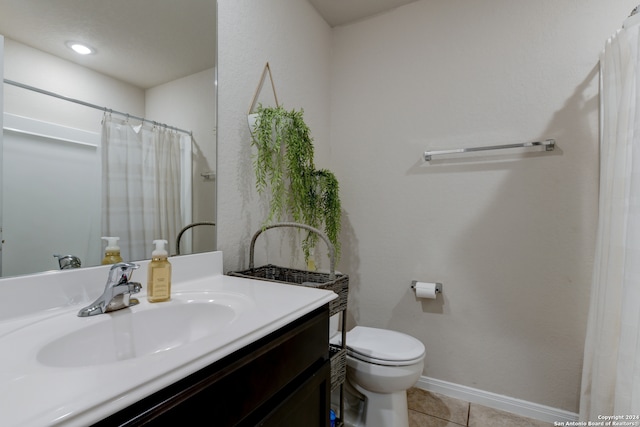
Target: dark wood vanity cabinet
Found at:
x=282, y=379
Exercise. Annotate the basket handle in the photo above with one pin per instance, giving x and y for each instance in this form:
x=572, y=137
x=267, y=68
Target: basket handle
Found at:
x=332, y=251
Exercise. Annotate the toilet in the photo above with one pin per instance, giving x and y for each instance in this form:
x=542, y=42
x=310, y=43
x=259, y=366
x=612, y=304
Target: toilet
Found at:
x=381, y=366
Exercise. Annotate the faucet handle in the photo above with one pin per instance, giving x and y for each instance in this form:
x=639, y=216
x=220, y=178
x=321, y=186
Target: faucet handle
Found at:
x=125, y=266
x=121, y=273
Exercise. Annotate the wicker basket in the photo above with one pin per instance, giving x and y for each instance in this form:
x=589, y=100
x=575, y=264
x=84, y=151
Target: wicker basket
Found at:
x=338, y=356
x=338, y=283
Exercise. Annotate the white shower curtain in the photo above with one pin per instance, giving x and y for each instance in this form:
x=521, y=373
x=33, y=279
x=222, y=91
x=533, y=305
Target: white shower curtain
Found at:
x=611, y=374
x=146, y=185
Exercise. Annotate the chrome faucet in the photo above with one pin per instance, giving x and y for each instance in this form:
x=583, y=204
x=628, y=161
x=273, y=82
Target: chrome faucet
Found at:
x=117, y=293
x=68, y=261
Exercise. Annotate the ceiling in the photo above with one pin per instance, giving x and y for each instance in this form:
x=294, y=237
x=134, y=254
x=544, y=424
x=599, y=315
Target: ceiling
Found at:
x=143, y=42
x=341, y=12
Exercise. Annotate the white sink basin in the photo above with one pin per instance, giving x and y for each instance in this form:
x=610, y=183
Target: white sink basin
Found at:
x=144, y=330
x=60, y=369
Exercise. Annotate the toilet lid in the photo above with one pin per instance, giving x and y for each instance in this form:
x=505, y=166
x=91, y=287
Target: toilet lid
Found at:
x=383, y=347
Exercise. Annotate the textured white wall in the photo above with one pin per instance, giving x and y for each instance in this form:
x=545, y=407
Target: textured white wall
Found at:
x=291, y=36
x=511, y=236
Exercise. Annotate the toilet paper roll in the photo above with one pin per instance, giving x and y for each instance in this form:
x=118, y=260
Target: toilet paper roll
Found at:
x=425, y=290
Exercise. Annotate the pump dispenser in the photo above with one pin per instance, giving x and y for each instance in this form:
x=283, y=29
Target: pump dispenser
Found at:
x=112, y=251
x=159, y=277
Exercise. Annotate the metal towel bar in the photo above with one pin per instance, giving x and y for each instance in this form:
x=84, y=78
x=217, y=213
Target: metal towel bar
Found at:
x=548, y=144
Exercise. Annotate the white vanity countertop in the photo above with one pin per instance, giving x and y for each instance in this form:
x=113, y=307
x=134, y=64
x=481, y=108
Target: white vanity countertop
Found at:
x=41, y=309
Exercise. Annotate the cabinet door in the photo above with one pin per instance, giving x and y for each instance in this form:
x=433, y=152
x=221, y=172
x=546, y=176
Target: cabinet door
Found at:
x=308, y=406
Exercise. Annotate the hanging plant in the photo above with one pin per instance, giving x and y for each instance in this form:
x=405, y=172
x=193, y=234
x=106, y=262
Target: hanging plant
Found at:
x=326, y=200
x=284, y=165
x=268, y=137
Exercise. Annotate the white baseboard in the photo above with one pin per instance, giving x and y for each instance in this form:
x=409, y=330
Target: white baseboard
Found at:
x=496, y=401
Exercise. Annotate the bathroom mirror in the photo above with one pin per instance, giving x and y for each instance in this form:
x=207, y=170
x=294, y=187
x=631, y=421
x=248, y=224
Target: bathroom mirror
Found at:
x=154, y=46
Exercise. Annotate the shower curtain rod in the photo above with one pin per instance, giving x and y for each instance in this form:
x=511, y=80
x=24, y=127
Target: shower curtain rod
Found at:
x=97, y=107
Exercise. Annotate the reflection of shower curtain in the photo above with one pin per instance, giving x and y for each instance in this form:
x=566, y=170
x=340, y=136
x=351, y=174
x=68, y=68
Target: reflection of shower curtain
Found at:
x=146, y=190
x=611, y=375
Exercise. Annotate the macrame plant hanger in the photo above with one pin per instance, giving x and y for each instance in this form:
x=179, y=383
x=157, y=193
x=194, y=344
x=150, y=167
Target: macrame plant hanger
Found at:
x=266, y=70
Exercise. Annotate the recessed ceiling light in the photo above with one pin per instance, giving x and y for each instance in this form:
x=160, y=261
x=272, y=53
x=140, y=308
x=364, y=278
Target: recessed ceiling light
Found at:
x=80, y=48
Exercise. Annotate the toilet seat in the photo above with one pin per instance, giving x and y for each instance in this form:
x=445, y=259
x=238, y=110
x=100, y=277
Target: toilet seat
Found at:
x=383, y=347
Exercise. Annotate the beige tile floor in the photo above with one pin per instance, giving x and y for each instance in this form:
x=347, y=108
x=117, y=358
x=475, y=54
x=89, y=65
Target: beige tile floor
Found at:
x=427, y=409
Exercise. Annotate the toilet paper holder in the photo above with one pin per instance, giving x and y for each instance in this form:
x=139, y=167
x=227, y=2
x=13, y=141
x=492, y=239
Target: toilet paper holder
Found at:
x=438, y=286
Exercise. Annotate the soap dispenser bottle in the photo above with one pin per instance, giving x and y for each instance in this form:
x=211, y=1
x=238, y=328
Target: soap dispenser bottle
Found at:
x=112, y=251
x=159, y=277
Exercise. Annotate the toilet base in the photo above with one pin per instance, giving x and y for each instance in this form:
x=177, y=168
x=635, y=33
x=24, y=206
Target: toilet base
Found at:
x=381, y=409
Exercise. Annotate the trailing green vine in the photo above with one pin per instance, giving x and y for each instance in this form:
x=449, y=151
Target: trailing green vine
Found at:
x=284, y=165
x=268, y=137
x=325, y=200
